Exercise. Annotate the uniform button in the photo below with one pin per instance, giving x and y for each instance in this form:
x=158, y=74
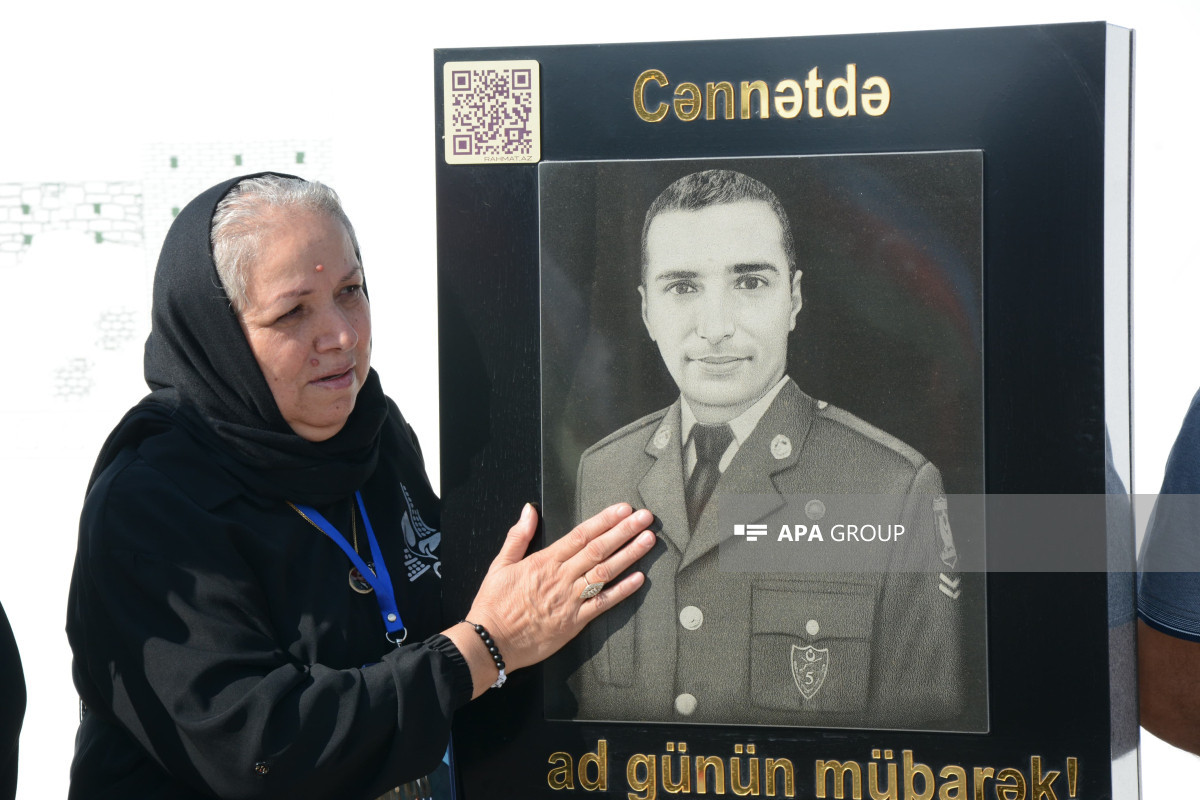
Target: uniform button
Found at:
x=691, y=617
x=813, y=627
x=685, y=704
x=262, y=767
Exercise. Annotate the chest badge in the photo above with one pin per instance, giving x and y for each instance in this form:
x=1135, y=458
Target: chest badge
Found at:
x=809, y=668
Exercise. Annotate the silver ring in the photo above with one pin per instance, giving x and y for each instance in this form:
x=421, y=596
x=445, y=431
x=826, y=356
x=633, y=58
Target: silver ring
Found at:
x=591, y=590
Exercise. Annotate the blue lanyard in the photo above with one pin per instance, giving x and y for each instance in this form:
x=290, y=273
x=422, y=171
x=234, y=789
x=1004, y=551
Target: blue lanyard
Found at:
x=379, y=579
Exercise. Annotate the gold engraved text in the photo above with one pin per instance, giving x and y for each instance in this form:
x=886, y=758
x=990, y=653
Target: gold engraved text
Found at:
x=839, y=95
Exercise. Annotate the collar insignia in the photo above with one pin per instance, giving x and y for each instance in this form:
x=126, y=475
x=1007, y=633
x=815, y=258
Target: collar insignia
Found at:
x=781, y=447
x=662, y=438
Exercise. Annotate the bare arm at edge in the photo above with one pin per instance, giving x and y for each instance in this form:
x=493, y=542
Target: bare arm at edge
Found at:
x=1169, y=687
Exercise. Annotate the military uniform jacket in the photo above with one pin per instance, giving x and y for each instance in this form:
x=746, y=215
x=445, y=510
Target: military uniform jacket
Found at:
x=700, y=645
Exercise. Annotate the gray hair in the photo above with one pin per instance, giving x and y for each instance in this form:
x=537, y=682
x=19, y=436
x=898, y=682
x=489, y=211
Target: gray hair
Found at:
x=242, y=219
x=714, y=187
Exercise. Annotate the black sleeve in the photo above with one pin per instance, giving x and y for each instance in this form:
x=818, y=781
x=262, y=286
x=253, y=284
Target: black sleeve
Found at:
x=175, y=640
x=12, y=710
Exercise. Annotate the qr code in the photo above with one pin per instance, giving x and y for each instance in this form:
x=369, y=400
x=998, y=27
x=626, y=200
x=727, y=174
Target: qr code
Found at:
x=492, y=112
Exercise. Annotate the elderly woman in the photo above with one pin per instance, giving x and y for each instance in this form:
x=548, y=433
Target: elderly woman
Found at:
x=255, y=607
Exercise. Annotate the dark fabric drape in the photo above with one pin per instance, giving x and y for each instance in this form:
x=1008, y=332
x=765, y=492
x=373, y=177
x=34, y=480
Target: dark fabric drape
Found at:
x=204, y=377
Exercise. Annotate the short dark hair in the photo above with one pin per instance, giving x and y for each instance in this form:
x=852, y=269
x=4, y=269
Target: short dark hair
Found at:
x=715, y=187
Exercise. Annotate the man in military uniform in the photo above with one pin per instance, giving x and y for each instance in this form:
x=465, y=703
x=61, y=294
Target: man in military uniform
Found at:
x=873, y=647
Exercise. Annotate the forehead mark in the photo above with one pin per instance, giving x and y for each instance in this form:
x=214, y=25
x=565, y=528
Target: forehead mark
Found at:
x=304, y=291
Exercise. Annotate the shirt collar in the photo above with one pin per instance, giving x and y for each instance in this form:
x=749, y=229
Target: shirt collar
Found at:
x=742, y=425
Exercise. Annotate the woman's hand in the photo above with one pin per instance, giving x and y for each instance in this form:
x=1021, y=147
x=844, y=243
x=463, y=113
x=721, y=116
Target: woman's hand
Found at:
x=533, y=605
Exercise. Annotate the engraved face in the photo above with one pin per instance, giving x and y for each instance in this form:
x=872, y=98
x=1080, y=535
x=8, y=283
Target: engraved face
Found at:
x=718, y=301
x=308, y=321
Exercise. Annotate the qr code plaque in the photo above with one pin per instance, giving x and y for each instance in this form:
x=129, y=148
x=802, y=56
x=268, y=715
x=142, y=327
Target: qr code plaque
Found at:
x=492, y=112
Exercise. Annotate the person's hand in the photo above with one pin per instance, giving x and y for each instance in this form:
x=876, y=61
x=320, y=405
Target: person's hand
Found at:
x=533, y=605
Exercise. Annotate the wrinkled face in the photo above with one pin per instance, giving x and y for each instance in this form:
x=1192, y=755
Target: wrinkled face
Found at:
x=308, y=321
x=718, y=301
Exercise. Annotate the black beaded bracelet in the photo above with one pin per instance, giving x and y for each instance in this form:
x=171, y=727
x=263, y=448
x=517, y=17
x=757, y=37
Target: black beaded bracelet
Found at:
x=493, y=651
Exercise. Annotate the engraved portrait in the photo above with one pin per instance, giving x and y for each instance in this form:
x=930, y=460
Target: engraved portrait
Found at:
x=799, y=329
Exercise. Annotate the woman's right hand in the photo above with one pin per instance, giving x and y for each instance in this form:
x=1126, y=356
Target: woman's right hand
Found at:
x=533, y=605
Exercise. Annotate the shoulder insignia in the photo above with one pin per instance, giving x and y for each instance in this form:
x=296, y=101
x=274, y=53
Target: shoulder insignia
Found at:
x=843, y=417
x=941, y=518
x=951, y=587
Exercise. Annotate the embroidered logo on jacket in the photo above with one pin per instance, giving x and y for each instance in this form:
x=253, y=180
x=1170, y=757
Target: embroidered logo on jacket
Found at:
x=420, y=542
x=809, y=668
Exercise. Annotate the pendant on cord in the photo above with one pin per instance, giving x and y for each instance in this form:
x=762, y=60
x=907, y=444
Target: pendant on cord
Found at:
x=358, y=583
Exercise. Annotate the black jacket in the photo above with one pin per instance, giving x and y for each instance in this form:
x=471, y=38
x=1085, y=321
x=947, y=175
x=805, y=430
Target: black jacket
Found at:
x=220, y=650
x=12, y=709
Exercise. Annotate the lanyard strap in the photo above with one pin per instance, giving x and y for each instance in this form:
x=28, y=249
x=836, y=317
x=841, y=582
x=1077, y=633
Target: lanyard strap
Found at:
x=379, y=579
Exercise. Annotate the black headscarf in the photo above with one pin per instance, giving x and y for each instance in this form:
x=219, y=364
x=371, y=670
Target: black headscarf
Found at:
x=204, y=377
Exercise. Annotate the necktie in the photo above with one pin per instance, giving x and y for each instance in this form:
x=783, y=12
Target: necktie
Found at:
x=711, y=442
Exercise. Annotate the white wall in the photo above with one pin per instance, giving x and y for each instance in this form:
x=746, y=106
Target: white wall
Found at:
x=90, y=86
